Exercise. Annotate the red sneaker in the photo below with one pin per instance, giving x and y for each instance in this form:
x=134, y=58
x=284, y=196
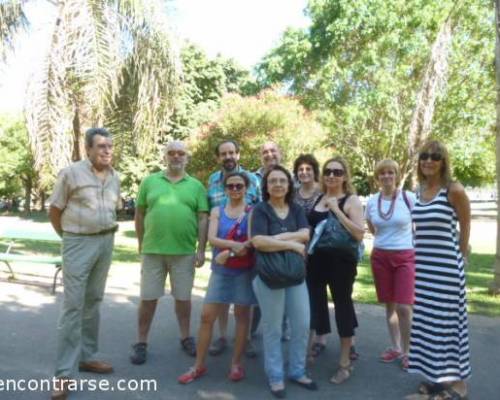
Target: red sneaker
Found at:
x=192, y=375
x=390, y=355
x=237, y=373
x=404, y=362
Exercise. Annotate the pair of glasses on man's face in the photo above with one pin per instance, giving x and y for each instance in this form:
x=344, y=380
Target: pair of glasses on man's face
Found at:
x=335, y=171
x=433, y=156
x=235, y=186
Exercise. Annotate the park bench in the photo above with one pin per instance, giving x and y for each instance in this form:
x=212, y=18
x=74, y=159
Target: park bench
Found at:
x=13, y=237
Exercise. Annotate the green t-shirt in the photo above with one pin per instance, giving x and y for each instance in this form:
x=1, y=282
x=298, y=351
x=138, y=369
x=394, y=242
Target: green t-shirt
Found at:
x=171, y=221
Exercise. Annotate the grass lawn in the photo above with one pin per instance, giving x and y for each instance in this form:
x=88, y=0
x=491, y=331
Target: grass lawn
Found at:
x=479, y=271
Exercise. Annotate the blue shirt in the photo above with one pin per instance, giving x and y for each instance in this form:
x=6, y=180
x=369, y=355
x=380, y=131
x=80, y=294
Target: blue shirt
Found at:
x=217, y=196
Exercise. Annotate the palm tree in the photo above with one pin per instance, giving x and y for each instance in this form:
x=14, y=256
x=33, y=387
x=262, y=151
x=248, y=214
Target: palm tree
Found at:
x=97, y=48
x=12, y=19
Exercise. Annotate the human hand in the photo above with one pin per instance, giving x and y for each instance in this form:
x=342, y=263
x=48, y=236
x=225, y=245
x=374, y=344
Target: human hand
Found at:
x=299, y=248
x=332, y=204
x=200, y=258
x=239, y=249
x=222, y=257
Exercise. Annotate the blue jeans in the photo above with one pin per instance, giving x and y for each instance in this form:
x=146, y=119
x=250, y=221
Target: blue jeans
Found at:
x=274, y=303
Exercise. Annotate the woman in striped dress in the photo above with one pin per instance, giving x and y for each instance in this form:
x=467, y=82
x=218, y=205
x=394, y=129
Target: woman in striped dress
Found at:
x=439, y=344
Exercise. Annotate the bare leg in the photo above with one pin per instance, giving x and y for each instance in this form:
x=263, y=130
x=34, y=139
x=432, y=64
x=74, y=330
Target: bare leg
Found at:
x=223, y=317
x=404, y=312
x=146, y=313
x=208, y=316
x=393, y=325
x=242, y=316
x=345, y=347
x=183, y=312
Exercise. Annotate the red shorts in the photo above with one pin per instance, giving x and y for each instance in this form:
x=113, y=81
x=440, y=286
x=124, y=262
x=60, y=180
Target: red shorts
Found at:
x=394, y=275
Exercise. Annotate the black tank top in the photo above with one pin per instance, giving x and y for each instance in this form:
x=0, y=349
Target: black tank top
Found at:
x=315, y=217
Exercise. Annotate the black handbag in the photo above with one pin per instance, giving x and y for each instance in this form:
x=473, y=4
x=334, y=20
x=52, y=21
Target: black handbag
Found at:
x=280, y=269
x=336, y=236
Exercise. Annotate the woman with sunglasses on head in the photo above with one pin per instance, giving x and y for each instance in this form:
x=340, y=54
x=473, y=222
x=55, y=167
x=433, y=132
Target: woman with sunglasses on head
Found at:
x=388, y=214
x=335, y=268
x=278, y=225
x=230, y=281
x=439, y=341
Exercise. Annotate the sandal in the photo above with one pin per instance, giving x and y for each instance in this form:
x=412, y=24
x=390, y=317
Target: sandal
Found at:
x=188, y=345
x=353, y=355
x=237, y=373
x=430, y=387
x=404, y=362
x=316, y=349
x=448, y=394
x=342, y=374
x=191, y=375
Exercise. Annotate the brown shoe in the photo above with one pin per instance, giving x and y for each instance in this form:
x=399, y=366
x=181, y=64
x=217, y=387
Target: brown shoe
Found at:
x=98, y=367
x=60, y=391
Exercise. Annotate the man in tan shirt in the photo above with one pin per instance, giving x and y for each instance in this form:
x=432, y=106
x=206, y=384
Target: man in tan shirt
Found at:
x=83, y=212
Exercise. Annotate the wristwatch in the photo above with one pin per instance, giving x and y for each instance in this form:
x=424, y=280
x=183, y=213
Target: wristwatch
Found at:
x=232, y=254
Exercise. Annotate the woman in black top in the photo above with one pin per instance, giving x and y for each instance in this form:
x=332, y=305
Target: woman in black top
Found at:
x=335, y=268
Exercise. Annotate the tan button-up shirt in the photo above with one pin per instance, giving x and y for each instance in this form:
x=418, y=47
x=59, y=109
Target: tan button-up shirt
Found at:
x=89, y=204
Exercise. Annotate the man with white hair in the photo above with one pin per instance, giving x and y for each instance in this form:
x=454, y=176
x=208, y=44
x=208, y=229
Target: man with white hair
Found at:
x=270, y=155
x=171, y=222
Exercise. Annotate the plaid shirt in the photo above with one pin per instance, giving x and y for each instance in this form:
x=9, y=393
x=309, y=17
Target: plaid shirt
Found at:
x=89, y=205
x=217, y=197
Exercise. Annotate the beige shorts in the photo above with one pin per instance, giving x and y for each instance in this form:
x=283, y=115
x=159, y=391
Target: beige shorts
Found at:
x=154, y=270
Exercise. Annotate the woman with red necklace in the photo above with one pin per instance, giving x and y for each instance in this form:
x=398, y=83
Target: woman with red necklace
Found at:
x=388, y=214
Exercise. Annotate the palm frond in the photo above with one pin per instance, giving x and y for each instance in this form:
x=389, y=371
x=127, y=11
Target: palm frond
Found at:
x=12, y=19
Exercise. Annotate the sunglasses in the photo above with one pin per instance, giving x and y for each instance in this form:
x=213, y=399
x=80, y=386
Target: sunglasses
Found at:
x=173, y=153
x=235, y=186
x=335, y=171
x=433, y=156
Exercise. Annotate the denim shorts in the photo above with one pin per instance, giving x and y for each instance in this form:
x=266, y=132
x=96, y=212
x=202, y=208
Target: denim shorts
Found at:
x=230, y=289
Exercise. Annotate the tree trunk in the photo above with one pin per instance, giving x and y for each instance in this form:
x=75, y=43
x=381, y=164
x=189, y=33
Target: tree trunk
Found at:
x=495, y=287
x=77, y=135
x=43, y=197
x=28, y=190
x=433, y=81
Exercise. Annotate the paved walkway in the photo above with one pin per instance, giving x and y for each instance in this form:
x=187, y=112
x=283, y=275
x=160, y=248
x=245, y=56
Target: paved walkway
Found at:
x=28, y=326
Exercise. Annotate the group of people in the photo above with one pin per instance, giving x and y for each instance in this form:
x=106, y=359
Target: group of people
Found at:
x=257, y=224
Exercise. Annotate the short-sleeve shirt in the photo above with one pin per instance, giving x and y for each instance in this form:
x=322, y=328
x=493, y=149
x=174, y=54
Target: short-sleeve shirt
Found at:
x=266, y=222
x=88, y=203
x=217, y=197
x=395, y=233
x=172, y=208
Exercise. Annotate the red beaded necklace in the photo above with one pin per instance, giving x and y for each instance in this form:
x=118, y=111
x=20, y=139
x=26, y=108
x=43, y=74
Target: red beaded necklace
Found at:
x=387, y=216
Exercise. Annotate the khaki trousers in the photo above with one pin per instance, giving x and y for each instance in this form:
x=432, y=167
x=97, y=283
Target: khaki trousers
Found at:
x=86, y=262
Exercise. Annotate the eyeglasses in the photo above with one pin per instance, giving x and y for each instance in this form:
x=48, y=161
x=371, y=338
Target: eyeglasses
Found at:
x=276, y=181
x=173, y=153
x=235, y=186
x=335, y=171
x=433, y=156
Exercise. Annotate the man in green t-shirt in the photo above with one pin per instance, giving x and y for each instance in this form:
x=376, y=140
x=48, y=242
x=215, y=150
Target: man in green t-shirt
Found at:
x=171, y=217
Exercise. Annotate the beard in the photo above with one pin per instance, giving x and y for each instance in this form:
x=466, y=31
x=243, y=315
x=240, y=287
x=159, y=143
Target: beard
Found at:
x=229, y=164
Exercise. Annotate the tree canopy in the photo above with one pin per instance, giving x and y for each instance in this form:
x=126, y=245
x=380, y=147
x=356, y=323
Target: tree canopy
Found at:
x=361, y=64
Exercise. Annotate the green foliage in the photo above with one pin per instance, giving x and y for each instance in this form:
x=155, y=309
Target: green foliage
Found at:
x=204, y=83
x=16, y=161
x=252, y=121
x=133, y=170
x=361, y=65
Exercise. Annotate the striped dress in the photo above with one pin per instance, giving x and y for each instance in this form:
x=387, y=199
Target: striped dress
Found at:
x=439, y=344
